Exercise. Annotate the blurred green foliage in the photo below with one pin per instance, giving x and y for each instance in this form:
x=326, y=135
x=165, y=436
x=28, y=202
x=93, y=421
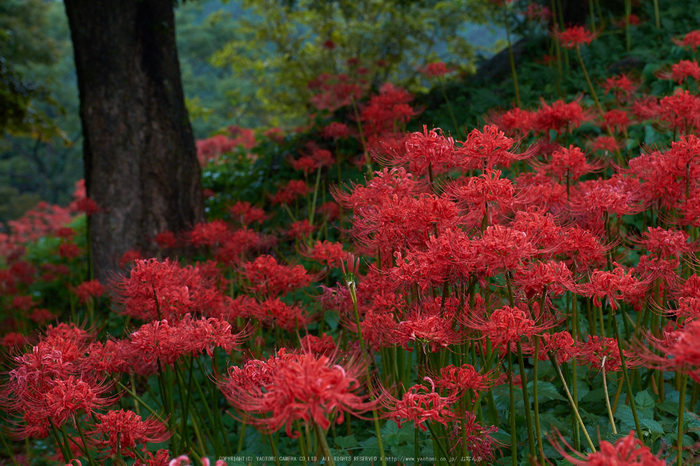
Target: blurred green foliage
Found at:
x=281, y=46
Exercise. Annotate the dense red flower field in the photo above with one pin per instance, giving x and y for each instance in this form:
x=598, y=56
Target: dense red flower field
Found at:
x=523, y=292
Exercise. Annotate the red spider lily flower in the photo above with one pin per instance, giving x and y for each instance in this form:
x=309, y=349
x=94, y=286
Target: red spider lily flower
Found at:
x=43, y=389
x=690, y=40
x=616, y=120
x=157, y=290
x=335, y=91
x=247, y=213
x=420, y=406
x=627, y=451
x=166, y=240
x=23, y=303
x=516, y=122
x=560, y=116
x=125, y=430
x=486, y=194
x=681, y=71
x=13, y=340
x=427, y=150
x=165, y=342
x=539, y=225
x=487, y=149
x=665, y=243
x=569, y=164
x=89, y=290
x=503, y=248
x=275, y=135
x=318, y=345
x=612, y=285
x=268, y=278
x=605, y=144
x=399, y=223
x=291, y=191
x=679, y=350
x=86, y=205
x=384, y=186
x=602, y=352
x=69, y=251
x=291, y=387
x=539, y=13
x=507, y=326
x=560, y=344
x=330, y=210
x=448, y=257
x=459, y=380
x=301, y=229
x=209, y=234
x=240, y=243
x=336, y=130
x=575, y=36
x=111, y=357
x=326, y=252
x=680, y=110
x=430, y=331
x=386, y=110
x=24, y=272
x=476, y=440
x=70, y=397
x=66, y=233
x=621, y=86
x=274, y=311
x=130, y=256
x=434, y=70
x=554, y=277
x=378, y=329
x=317, y=159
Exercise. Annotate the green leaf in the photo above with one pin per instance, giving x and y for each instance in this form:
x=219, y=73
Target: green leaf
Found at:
x=546, y=391
x=644, y=400
x=652, y=425
x=347, y=442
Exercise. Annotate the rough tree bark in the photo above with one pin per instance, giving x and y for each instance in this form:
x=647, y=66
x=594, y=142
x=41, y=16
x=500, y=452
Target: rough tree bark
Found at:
x=140, y=159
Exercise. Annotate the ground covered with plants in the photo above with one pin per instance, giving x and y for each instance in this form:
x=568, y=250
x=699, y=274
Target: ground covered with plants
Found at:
x=372, y=289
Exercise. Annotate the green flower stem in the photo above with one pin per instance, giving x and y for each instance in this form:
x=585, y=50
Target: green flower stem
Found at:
x=10, y=453
x=274, y=449
x=67, y=455
x=513, y=436
x=241, y=435
x=574, y=367
x=637, y=426
x=312, y=210
x=377, y=427
x=436, y=440
x=324, y=445
x=538, y=430
x=656, y=14
x=571, y=401
x=588, y=80
x=86, y=449
x=526, y=400
x=607, y=397
x=362, y=138
x=154, y=414
x=301, y=440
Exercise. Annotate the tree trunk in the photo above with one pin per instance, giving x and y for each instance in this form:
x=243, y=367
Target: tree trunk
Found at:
x=140, y=160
